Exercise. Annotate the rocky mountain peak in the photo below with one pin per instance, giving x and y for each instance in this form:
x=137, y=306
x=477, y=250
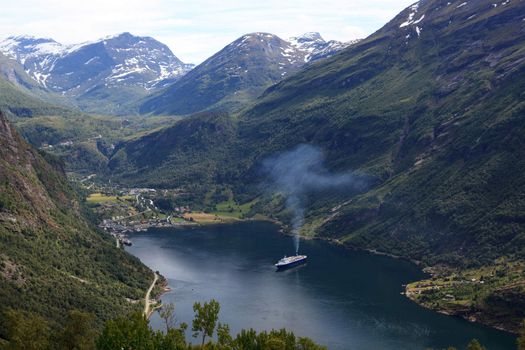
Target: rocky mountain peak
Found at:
x=307, y=37
x=121, y=60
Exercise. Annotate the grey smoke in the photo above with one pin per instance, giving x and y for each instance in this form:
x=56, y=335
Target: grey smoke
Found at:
x=300, y=171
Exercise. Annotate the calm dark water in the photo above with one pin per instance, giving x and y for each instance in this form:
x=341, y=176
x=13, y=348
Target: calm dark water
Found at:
x=342, y=299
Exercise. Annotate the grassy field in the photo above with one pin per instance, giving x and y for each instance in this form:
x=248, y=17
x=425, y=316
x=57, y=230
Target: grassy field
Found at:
x=208, y=218
x=177, y=220
x=231, y=209
x=102, y=198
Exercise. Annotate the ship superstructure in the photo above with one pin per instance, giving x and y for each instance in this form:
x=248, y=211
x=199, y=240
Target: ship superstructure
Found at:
x=289, y=261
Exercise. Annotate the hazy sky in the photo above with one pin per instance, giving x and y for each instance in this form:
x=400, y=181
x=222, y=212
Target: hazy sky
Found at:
x=196, y=29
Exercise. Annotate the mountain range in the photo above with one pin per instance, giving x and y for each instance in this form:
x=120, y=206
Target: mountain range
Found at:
x=239, y=73
x=429, y=108
x=113, y=69
x=108, y=75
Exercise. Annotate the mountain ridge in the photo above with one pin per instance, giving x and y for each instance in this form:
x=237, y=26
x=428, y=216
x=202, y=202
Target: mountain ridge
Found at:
x=239, y=73
x=95, y=71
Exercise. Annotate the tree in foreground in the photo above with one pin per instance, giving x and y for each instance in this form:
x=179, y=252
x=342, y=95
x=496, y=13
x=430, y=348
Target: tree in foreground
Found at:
x=131, y=332
x=224, y=339
x=26, y=331
x=167, y=313
x=273, y=340
x=475, y=345
x=521, y=338
x=205, y=321
x=79, y=332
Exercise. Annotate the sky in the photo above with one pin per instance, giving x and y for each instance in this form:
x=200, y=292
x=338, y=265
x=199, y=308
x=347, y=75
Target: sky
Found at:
x=194, y=30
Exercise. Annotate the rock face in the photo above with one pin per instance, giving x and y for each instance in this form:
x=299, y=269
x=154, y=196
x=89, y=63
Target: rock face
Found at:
x=94, y=70
x=240, y=72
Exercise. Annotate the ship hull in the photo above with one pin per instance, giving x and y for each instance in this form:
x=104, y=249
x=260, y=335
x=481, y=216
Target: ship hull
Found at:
x=290, y=265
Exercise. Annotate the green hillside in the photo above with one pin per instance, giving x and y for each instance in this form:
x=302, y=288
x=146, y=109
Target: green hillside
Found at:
x=18, y=103
x=14, y=73
x=51, y=259
x=22, y=97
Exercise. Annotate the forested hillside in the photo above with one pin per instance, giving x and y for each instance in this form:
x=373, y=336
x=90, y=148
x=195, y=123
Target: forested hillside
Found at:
x=51, y=259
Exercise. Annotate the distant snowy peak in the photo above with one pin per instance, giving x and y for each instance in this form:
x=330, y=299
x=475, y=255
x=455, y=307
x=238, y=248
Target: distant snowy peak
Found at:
x=315, y=47
x=308, y=37
x=139, y=57
x=255, y=52
x=310, y=42
x=22, y=47
x=297, y=50
x=113, y=61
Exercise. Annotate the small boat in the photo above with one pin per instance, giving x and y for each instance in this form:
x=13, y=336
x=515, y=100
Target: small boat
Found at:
x=289, y=261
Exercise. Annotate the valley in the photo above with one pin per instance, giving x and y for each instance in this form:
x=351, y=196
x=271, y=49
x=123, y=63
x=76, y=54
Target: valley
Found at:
x=408, y=143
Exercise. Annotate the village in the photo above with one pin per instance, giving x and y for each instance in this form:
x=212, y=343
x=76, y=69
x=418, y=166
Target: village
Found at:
x=122, y=211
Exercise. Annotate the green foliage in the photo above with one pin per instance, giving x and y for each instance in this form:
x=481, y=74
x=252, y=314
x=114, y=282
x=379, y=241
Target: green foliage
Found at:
x=475, y=345
x=521, y=338
x=79, y=332
x=93, y=137
x=206, y=317
x=18, y=102
x=133, y=332
x=53, y=260
x=495, y=290
x=201, y=144
x=26, y=331
x=129, y=332
x=167, y=313
x=273, y=340
x=224, y=338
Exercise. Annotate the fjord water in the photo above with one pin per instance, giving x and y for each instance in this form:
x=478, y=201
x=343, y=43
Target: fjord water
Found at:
x=342, y=299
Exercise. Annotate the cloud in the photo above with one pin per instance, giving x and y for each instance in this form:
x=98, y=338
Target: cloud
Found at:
x=196, y=29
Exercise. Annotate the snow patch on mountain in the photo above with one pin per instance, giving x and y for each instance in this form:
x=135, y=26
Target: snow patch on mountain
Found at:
x=315, y=47
x=410, y=20
x=112, y=61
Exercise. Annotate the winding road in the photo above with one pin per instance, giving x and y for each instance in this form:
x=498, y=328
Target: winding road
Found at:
x=147, y=301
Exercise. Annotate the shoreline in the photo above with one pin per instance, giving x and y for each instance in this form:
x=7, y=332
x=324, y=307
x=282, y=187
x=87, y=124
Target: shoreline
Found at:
x=464, y=316
x=348, y=247
x=157, y=303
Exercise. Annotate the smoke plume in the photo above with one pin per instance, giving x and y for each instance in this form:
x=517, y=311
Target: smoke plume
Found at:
x=300, y=171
